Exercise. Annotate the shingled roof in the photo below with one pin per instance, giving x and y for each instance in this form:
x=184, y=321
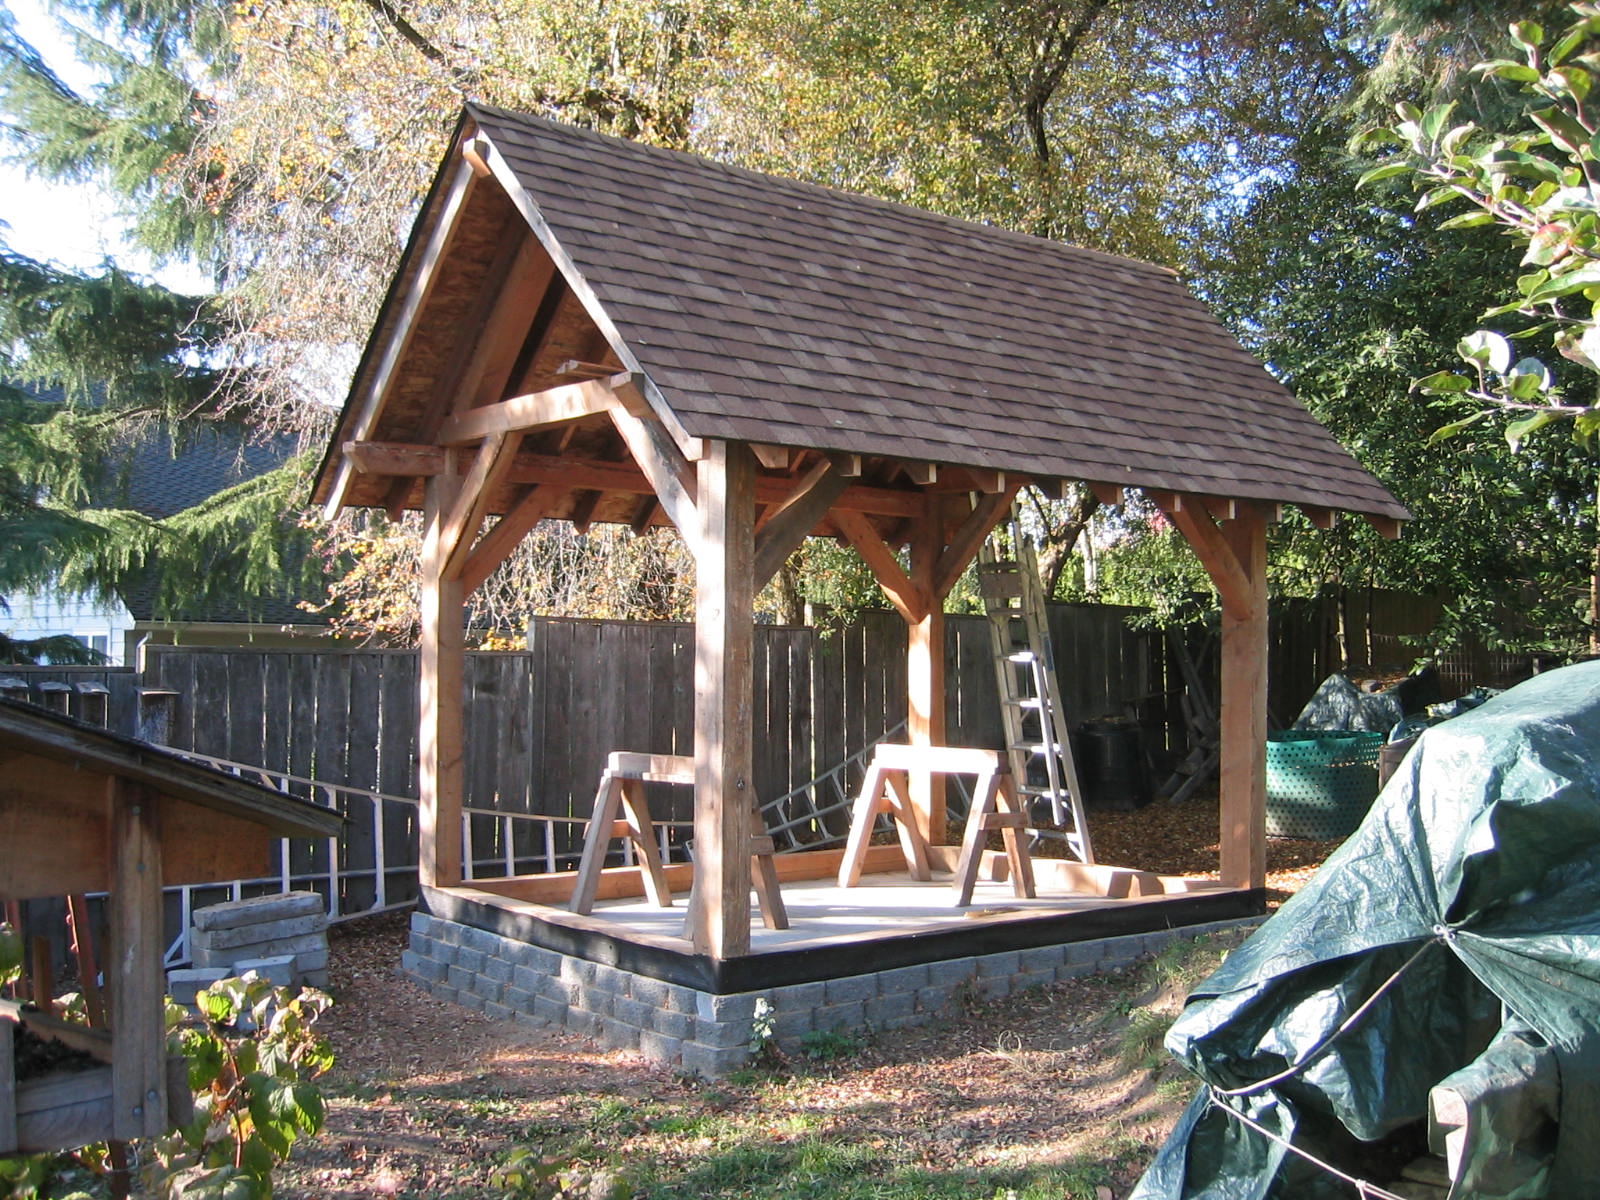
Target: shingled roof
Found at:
x=770, y=311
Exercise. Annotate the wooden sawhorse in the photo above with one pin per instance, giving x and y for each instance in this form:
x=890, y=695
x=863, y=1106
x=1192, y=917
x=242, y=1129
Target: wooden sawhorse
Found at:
x=620, y=811
x=885, y=789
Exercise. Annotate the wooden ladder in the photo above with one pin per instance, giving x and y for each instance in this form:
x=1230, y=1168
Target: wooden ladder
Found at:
x=1034, y=719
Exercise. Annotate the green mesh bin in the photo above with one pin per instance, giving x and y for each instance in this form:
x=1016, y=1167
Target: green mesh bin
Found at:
x=1319, y=784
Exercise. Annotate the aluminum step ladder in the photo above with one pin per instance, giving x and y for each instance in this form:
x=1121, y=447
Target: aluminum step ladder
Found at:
x=1030, y=698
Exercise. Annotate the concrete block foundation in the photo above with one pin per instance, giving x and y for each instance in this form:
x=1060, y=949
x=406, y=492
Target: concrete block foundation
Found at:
x=709, y=1033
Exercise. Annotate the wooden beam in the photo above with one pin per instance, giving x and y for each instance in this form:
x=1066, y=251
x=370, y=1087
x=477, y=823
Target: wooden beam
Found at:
x=848, y=465
x=405, y=324
x=644, y=514
x=139, y=1048
x=1108, y=494
x=988, y=482
x=1320, y=518
x=963, y=547
x=909, y=600
x=724, y=792
x=404, y=459
x=773, y=458
x=583, y=506
x=1220, y=507
x=440, y=777
x=794, y=517
x=471, y=505
x=1389, y=527
x=920, y=473
x=1244, y=708
x=536, y=410
x=476, y=152
x=496, y=545
x=670, y=474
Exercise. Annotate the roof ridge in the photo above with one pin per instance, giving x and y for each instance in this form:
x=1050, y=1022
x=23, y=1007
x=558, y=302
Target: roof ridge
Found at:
x=767, y=178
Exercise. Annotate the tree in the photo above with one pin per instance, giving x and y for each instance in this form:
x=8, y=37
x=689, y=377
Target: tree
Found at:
x=1541, y=184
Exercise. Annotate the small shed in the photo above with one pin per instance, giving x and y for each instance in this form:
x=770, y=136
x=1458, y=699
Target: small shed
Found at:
x=593, y=330
x=85, y=811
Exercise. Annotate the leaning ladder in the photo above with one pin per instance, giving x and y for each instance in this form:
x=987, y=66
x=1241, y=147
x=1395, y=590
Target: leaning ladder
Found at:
x=1030, y=698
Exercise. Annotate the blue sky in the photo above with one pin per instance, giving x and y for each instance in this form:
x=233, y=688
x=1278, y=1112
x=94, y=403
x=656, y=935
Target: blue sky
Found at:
x=70, y=225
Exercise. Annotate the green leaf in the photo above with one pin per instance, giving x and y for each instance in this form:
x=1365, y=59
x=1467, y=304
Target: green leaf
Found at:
x=1575, y=81
x=1445, y=432
x=1451, y=142
x=1527, y=34
x=1564, y=130
x=1504, y=68
x=1566, y=283
x=1518, y=431
x=1435, y=120
x=1388, y=170
x=1487, y=349
x=1408, y=111
x=1442, y=382
x=1468, y=220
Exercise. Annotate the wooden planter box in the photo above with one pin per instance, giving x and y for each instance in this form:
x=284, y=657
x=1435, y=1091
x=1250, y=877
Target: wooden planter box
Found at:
x=69, y=1108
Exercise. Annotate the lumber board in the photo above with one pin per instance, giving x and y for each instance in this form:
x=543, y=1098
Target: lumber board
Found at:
x=440, y=779
x=1244, y=712
x=796, y=515
x=963, y=547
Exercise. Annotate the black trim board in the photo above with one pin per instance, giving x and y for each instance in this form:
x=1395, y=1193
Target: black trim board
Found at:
x=809, y=964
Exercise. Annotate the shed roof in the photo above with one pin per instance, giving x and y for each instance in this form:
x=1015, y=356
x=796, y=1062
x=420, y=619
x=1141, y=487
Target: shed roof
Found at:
x=92, y=753
x=766, y=310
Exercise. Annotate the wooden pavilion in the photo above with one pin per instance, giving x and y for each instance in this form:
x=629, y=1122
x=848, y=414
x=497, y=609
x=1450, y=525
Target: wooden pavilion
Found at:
x=593, y=330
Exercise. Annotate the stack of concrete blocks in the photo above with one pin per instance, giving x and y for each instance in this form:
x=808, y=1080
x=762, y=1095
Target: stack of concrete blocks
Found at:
x=282, y=938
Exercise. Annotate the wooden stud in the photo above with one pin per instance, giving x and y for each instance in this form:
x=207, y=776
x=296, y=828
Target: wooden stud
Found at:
x=139, y=1051
x=1108, y=494
x=1196, y=525
x=1244, y=709
x=440, y=777
x=1220, y=508
x=923, y=474
x=988, y=482
x=724, y=685
x=848, y=465
x=586, y=370
x=1320, y=518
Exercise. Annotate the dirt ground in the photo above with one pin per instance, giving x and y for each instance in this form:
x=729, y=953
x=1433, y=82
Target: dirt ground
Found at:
x=1050, y=1093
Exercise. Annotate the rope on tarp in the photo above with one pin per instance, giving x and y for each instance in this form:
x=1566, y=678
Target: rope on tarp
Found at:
x=1218, y=1097
x=1441, y=935
x=1362, y=1186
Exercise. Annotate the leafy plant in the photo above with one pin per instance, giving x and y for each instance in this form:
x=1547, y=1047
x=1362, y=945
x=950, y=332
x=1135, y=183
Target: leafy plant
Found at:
x=10, y=956
x=831, y=1045
x=251, y=1058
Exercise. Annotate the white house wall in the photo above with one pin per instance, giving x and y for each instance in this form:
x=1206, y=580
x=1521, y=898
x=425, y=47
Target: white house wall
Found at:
x=97, y=623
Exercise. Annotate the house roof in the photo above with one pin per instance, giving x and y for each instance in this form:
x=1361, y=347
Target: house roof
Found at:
x=771, y=311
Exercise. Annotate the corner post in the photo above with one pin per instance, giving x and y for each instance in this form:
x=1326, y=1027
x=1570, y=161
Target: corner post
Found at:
x=724, y=789
x=925, y=698
x=1244, y=707
x=440, y=687
x=138, y=1019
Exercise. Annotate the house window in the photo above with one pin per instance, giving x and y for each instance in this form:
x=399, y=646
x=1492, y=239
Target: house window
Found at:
x=98, y=642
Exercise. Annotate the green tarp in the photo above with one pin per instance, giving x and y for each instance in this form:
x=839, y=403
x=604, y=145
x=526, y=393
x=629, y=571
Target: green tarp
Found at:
x=1480, y=860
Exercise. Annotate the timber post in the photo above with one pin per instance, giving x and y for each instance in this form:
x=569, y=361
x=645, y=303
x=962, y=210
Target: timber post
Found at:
x=925, y=707
x=1244, y=708
x=440, y=778
x=724, y=697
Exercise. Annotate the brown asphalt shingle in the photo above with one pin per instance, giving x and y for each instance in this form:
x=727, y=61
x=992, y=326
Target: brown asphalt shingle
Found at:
x=768, y=310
